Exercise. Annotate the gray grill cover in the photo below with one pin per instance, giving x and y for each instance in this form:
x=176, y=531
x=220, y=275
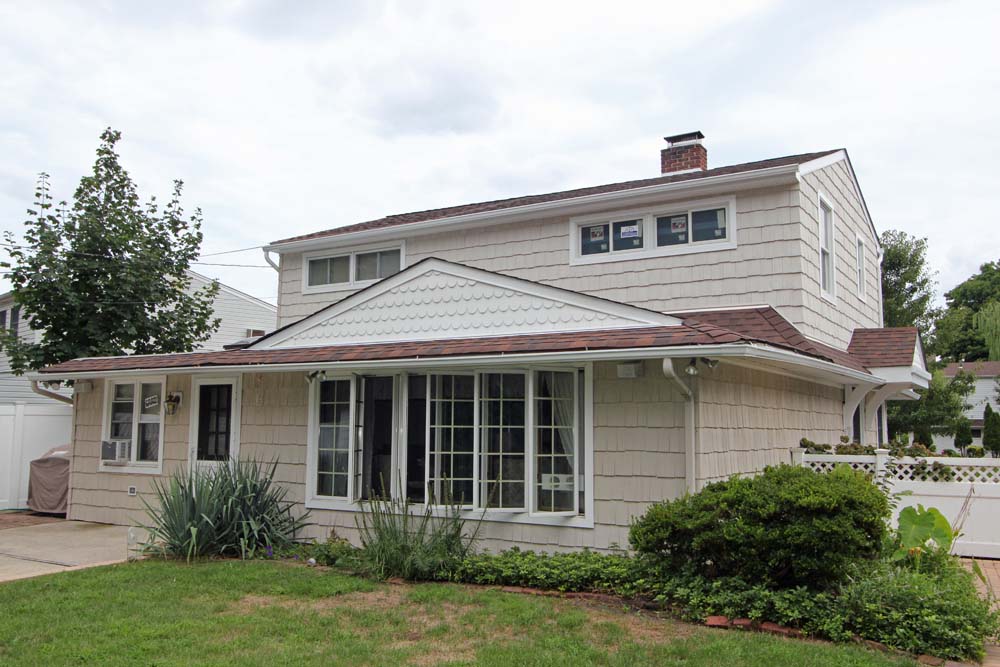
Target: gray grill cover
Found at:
x=48, y=481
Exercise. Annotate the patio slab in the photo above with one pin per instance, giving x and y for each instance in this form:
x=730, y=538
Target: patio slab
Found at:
x=46, y=548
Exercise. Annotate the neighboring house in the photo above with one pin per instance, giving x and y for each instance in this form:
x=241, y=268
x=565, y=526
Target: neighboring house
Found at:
x=987, y=374
x=556, y=361
x=31, y=423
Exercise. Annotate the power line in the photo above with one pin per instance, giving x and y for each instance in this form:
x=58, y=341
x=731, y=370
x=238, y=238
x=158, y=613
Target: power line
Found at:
x=230, y=252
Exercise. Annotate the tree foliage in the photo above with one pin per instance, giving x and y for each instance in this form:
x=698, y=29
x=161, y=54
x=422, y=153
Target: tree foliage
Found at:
x=940, y=408
x=907, y=282
x=969, y=329
x=991, y=430
x=963, y=432
x=108, y=275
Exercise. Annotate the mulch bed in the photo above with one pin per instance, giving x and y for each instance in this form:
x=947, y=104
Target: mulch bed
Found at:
x=21, y=519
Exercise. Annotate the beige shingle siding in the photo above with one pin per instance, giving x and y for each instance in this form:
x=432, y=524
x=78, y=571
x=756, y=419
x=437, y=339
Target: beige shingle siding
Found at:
x=749, y=419
x=766, y=267
x=833, y=322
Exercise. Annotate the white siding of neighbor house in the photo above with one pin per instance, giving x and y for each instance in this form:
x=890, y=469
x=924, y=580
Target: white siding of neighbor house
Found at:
x=238, y=312
x=749, y=419
x=775, y=262
x=984, y=392
x=822, y=320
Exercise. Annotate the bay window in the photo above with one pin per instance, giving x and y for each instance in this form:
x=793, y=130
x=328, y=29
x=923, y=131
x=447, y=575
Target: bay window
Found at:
x=506, y=441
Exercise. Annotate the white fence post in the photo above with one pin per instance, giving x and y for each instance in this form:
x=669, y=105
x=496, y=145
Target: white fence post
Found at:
x=798, y=456
x=881, y=463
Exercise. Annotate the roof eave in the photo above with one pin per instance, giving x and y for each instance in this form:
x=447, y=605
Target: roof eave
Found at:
x=784, y=174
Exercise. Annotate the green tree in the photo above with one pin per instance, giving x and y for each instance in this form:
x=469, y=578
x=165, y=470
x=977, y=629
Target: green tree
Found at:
x=107, y=275
x=969, y=322
x=937, y=411
x=991, y=430
x=907, y=282
x=963, y=432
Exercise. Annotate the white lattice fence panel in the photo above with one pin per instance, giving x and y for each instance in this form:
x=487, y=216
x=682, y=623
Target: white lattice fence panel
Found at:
x=827, y=462
x=945, y=469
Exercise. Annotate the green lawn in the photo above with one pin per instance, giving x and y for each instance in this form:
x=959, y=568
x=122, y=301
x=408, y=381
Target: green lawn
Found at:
x=268, y=613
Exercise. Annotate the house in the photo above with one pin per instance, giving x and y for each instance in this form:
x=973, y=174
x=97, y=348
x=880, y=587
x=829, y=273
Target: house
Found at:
x=31, y=423
x=986, y=391
x=555, y=363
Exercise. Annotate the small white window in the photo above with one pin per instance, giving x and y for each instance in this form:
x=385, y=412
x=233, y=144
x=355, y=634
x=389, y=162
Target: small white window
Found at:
x=826, y=248
x=861, y=267
x=134, y=416
x=376, y=265
x=329, y=270
x=350, y=269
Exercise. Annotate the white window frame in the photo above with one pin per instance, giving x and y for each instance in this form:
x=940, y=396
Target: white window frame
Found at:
x=647, y=217
x=584, y=449
x=861, y=248
x=823, y=202
x=134, y=467
x=236, y=381
x=351, y=254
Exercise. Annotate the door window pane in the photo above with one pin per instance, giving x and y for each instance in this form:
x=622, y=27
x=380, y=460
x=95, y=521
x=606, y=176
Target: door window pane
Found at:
x=334, y=447
x=501, y=465
x=627, y=235
x=594, y=239
x=708, y=225
x=214, y=422
x=672, y=229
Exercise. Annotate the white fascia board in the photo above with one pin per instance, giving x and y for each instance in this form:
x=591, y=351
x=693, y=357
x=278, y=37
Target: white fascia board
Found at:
x=838, y=374
x=640, y=316
x=710, y=185
x=903, y=374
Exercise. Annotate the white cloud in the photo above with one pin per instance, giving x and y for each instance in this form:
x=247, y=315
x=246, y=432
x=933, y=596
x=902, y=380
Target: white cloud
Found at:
x=287, y=121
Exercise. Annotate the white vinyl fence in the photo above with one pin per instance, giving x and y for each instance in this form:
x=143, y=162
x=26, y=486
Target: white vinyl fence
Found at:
x=28, y=430
x=966, y=491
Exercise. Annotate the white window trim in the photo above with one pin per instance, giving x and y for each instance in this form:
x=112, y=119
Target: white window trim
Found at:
x=648, y=216
x=351, y=253
x=585, y=453
x=236, y=381
x=861, y=248
x=134, y=467
x=821, y=201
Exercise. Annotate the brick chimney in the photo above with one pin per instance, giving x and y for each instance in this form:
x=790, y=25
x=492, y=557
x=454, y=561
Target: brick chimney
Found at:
x=684, y=152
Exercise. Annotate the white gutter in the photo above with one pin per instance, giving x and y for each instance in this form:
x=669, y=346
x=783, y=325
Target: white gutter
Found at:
x=784, y=173
x=691, y=445
x=732, y=350
x=49, y=394
x=267, y=258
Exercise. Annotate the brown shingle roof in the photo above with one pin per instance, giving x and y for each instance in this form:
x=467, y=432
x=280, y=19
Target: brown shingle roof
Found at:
x=500, y=204
x=983, y=369
x=765, y=323
x=636, y=337
x=884, y=347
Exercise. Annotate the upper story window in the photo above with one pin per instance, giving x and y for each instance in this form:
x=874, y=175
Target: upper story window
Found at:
x=861, y=268
x=678, y=229
x=350, y=270
x=826, y=248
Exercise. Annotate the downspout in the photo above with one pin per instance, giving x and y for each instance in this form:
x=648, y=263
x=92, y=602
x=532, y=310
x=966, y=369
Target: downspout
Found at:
x=690, y=423
x=267, y=258
x=49, y=394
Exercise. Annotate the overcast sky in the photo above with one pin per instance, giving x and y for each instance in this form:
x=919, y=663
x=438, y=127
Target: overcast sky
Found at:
x=285, y=118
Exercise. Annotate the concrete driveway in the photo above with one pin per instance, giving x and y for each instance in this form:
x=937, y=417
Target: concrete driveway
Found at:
x=58, y=546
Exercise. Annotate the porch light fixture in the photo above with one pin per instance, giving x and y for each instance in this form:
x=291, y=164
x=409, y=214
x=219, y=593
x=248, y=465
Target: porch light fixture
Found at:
x=692, y=368
x=172, y=402
x=711, y=363
x=315, y=375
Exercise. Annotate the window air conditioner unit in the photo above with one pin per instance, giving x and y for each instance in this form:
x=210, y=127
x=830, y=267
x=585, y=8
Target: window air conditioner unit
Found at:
x=116, y=452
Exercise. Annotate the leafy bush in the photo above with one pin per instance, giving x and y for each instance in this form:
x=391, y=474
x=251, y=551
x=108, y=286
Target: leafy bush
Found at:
x=573, y=571
x=975, y=452
x=397, y=542
x=854, y=449
x=334, y=552
x=939, y=613
x=233, y=510
x=787, y=527
x=916, y=450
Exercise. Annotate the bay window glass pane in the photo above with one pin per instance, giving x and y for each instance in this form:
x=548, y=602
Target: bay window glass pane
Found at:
x=672, y=229
x=708, y=225
x=334, y=438
x=627, y=235
x=501, y=464
x=594, y=239
x=555, y=435
x=452, y=446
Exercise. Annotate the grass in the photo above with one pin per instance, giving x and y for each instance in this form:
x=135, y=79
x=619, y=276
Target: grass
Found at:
x=267, y=613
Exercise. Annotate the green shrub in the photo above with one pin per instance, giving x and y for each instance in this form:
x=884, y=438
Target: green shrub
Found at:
x=939, y=613
x=854, y=449
x=233, y=510
x=334, y=552
x=975, y=452
x=396, y=541
x=787, y=527
x=573, y=571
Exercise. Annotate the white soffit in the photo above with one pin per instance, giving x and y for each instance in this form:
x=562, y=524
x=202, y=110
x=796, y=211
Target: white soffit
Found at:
x=437, y=300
